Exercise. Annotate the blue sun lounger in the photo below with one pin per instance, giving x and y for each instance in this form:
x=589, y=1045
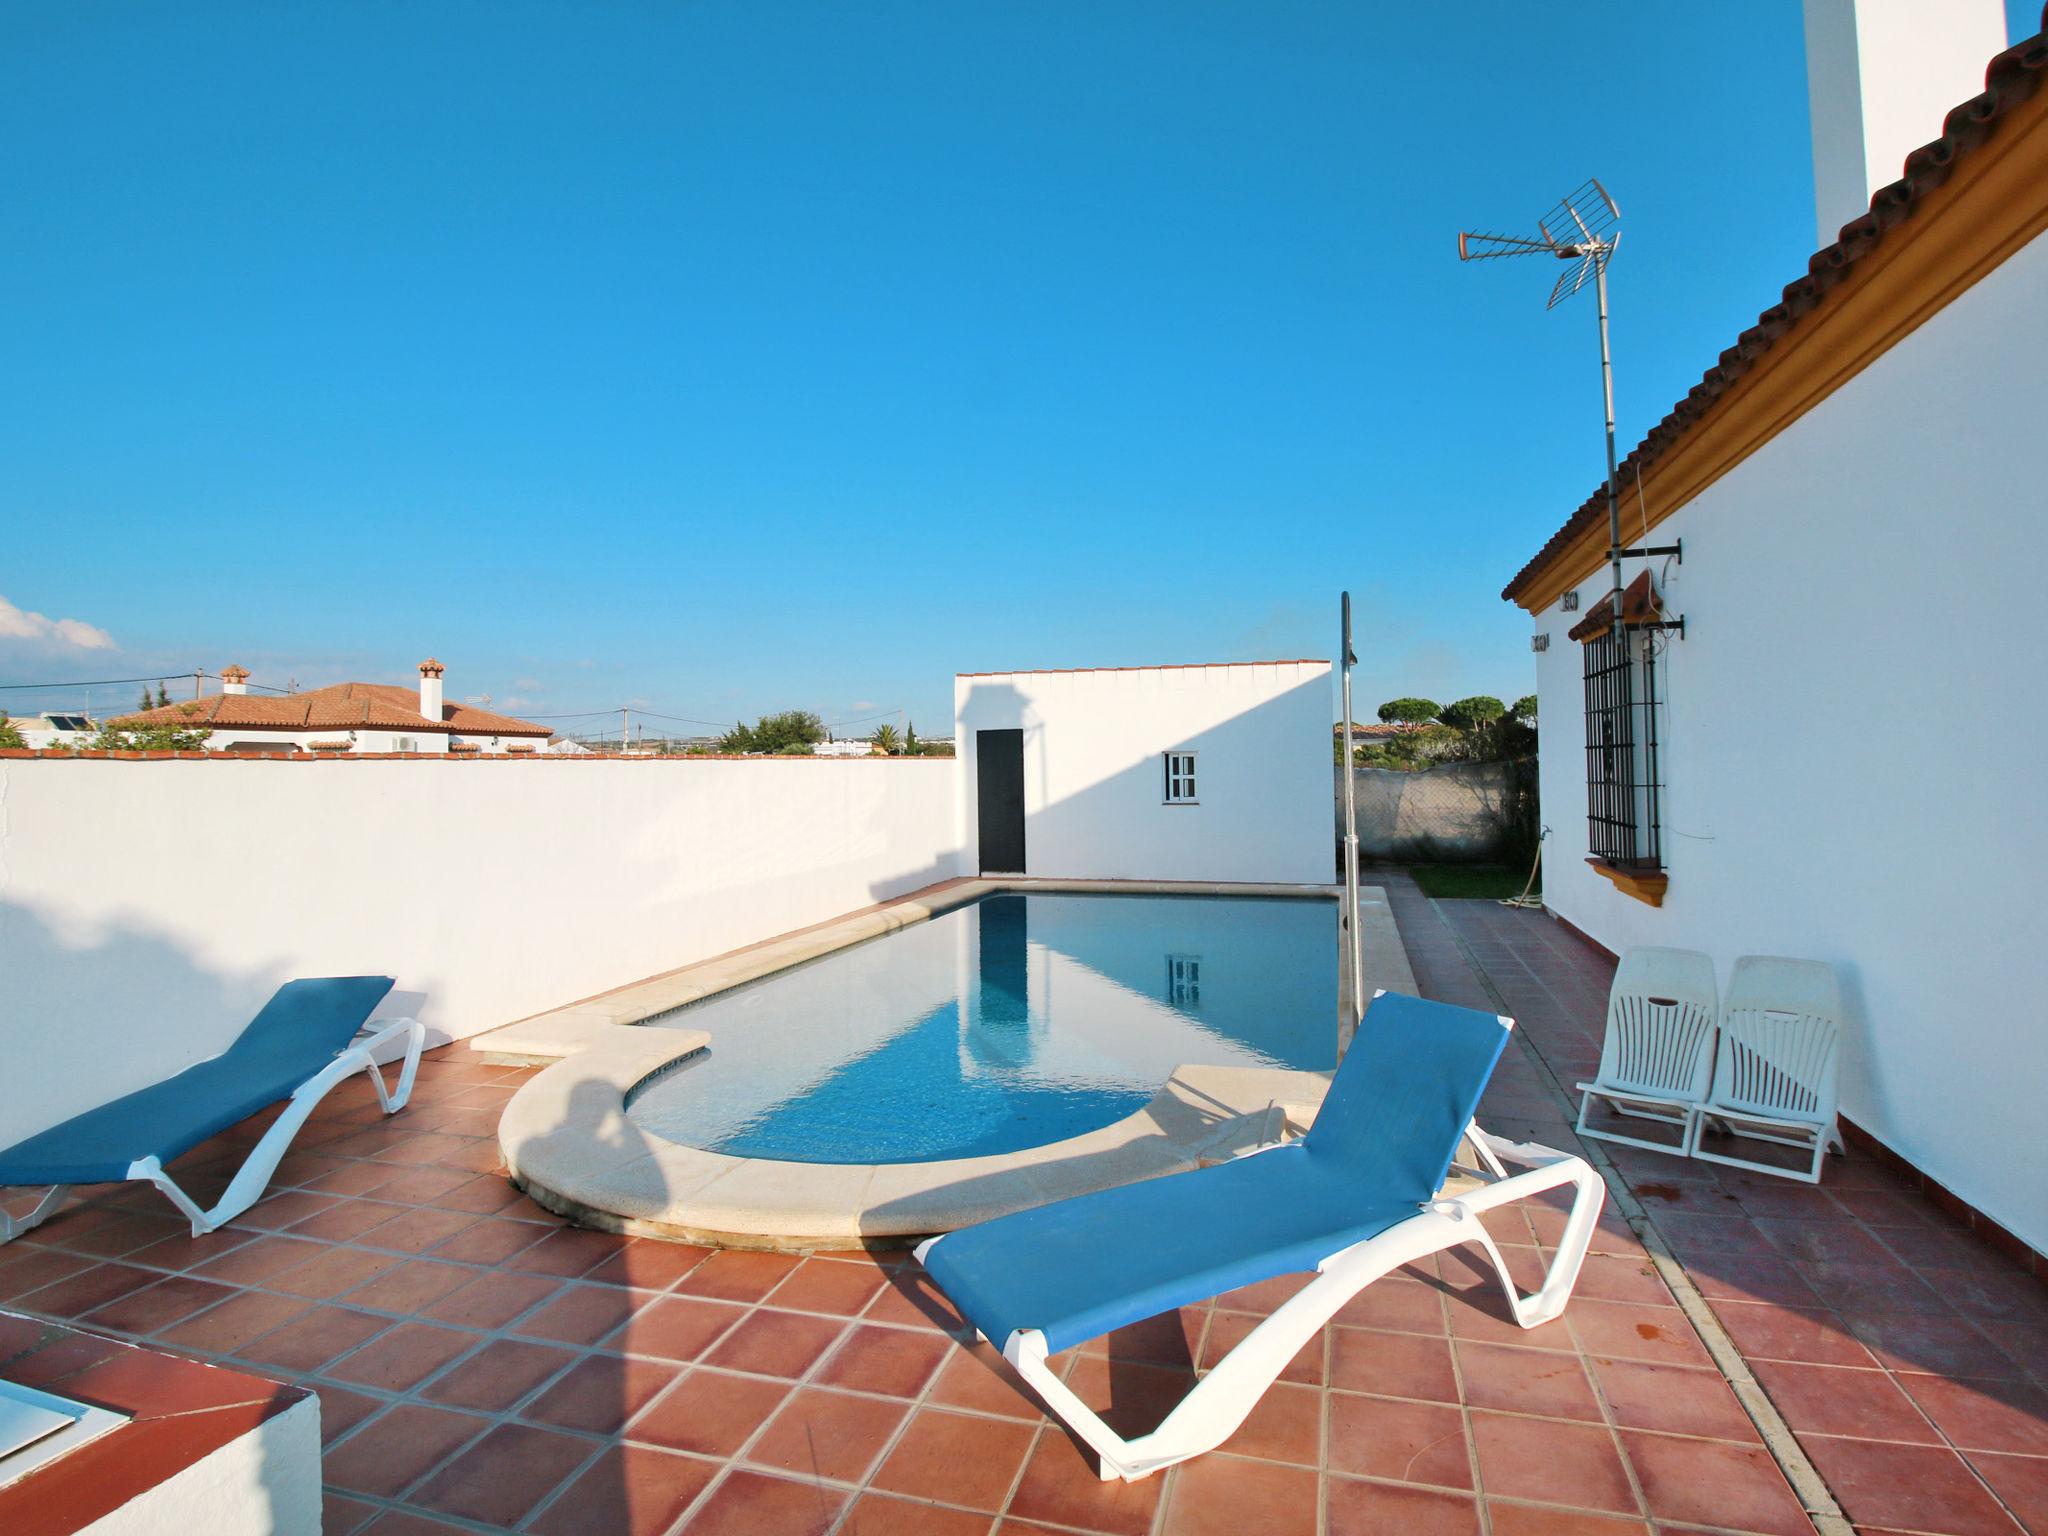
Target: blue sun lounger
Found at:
x=301, y=1045
x=1359, y=1195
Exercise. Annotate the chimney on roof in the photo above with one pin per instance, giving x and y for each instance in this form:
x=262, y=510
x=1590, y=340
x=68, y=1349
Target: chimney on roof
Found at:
x=430, y=689
x=234, y=679
x=1880, y=76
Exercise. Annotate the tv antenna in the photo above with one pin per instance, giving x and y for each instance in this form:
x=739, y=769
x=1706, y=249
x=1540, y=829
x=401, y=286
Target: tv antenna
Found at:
x=1584, y=230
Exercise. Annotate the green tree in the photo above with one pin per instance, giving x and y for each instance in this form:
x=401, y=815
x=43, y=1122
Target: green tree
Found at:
x=794, y=730
x=1474, y=713
x=886, y=741
x=1525, y=708
x=152, y=736
x=10, y=738
x=163, y=696
x=146, y=703
x=1409, y=711
x=910, y=738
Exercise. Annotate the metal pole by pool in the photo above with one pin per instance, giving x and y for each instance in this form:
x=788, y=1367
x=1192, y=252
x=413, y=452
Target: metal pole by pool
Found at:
x=1352, y=935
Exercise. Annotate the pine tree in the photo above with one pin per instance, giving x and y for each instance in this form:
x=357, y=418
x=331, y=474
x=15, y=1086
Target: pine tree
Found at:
x=145, y=704
x=163, y=696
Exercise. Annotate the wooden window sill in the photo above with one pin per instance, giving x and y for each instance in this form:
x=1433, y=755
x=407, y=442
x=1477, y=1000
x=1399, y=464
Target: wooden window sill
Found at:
x=1645, y=884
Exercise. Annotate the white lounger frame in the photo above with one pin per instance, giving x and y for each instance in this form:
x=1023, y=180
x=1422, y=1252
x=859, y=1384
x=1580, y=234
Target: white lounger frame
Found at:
x=1225, y=1397
x=253, y=1177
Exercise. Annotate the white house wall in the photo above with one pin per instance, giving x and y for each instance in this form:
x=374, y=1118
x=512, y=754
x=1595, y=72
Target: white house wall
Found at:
x=1854, y=732
x=148, y=908
x=1094, y=787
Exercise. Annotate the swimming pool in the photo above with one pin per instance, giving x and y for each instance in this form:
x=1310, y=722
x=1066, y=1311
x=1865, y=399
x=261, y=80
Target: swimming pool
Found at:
x=1015, y=1021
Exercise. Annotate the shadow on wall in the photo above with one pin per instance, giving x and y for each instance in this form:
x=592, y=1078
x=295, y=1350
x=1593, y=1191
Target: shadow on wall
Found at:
x=1095, y=805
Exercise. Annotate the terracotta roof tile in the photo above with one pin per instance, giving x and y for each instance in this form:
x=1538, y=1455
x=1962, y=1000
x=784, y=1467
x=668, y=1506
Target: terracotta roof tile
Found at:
x=2010, y=79
x=342, y=706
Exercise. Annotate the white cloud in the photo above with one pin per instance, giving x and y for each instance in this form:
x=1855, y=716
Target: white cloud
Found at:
x=860, y=704
x=20, y=624
x=530, y=684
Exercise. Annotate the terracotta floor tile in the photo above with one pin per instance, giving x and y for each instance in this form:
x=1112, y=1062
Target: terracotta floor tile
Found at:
x=568, y=1252
x=1551, y=1462
x=1227, y=1330
x=751, y=1504
x=880, y=1514
x=402, y=1357
x=1527, y=1381
x=1678, y=1400
x=736, y=1275
x=497, y=1376
x=1764, y=1332
x=1942, y=1346
x=671, y=1327
x=1360, y=1508
x=242, y=1317
x=1870, y=1289
x=390, y=1453
x=30, y=1268
x=774, y=1343
x=1132, y=1398
x=1631, y=1331
x=1823, y=1241
x=416, y=1228
x=429, y=1186
x=601, y=1393
x=832, y=1435
x=1615, y=1277
x=310, y=1340
x=583, y=1314
x=1060, y=1487
x=342, y=1410
x=1172, y=1338
x=1985, y=1415
x=485, y=1194
x=1711, y=1481
x=1263, y=1297
x=332, y=1271
x=631, y=1490
x=1221, y=1495
x=503, y=1476
x=1392, y=1364
x=1509, y=1519
x=343, y=1221
x=344, y=1517
x=80, y=1293
x=491, y=1300
x=909, y=1299
x=709, y=1413
x=2021, y=1481
x=410, y=1286
x=1839, y=1400
x=980, y=1379
x=1287, y=1425
x=491, y=1241
x=822, y=1285
x=159, y=1306
x=959, y=1458
x=1906, y=1487
x=649, y=1263
x=895, y=1361
x=1401, y=1441
x=1769, y=1279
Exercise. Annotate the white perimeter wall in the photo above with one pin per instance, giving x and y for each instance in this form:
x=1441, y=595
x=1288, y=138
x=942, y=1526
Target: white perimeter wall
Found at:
x=1855, y=733
x=147, y=908
x=1094, y=786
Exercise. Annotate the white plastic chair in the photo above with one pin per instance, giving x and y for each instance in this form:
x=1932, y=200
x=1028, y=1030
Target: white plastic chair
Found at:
x=1658, y=1055
x=1775, y=1070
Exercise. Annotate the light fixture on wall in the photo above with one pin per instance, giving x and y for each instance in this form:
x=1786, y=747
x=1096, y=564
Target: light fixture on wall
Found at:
x=1539, y=642
x=1570, y=601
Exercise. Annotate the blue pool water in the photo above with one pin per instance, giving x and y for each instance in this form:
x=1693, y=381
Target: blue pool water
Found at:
x=1013, y=1022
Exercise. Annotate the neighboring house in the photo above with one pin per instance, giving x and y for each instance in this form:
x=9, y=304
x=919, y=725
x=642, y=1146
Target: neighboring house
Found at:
x=843, y=749
x=1165, y=773
x=1858, y=489
x=41, y=732
x=346, y=717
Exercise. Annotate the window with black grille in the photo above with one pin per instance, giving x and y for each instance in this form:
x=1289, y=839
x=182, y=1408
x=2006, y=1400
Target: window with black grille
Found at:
x=1622, y=787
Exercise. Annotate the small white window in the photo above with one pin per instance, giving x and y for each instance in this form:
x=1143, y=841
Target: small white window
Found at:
x=405, y=744
x=1180, y=778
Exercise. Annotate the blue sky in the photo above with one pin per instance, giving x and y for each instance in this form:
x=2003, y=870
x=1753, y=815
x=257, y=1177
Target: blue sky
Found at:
x=735, y=356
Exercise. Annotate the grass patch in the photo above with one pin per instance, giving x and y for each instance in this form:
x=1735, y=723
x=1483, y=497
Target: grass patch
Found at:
x=1470, y=882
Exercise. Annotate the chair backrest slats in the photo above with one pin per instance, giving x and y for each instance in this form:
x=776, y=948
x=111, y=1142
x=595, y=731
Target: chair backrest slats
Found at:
x=1780, y=1039
x=1661, y=1014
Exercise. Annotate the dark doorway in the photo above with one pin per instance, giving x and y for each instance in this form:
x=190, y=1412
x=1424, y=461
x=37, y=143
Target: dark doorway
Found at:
x=999, y=791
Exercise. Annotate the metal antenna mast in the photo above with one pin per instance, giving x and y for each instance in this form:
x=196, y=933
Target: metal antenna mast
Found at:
x=1584, y=229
